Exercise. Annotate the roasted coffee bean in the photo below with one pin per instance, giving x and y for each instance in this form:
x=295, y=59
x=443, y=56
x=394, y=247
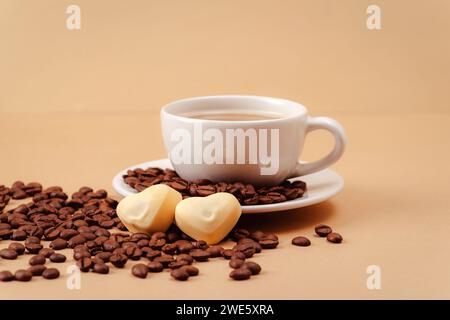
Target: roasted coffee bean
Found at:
x=184, y=246
x=179, y=274
x=6, y=276
x=157, y=244
x=110, y=245
x=239, y=234
x=228, y=253
x=102, y=233
x=200, y=244
x=104, y=256
x=19, y=235
x=248, y=249
x=133, y=253
x=23, y=275
x=37, y=270
x=46, y=252
x=240, y=274
x=80, y=254
x=101, y=268
x=334, y=237
x=66, y=234
x=33, y=248
x=58, y=244
x=57, y=258
x=178, y=264
x=322, y=230
x=191, y=270
x=185, y=257
x=50, y=273
x=19, y=194
x=76, y=240
x=268, y=243
x=253, y=267
x=200, y=255
x=140, y=270
x=118, y=260
x=154, y=266
x=17, y=247
x=5, y=234
x=88, y=236
x=301, y=241
x=85, y=264
x=236, y=263
x=37, y=259
x=170, y=248
x=215, y=251
x=142, y=243
x=9, y=254
x=51, y=234
x=164, y=259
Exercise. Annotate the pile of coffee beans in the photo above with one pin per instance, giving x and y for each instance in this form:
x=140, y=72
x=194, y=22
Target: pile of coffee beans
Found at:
x=87, y=223
x=247, y=194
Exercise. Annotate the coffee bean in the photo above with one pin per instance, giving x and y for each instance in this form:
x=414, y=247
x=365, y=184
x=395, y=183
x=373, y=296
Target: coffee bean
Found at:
x=179, y=274
x=58, y=244
x=17, y=247
x=101, y=268
x=178, y=264
x=140, y=270
x=184, y=246
x=57, y=258
x=19, y=235
x=46, y=252
x=170, y=248
x=200, y=244
x=301, y=241
x=110, y=245
x=118, y=260
x=268, y=243
x=37, y=259
x=104, y=256
x=76, y=240
x=6, y=276
x=164, y=259
x=200, y=255
x=322, y=230
x=240, y=274
x=9, y=254
x=239, y=234
x=154, y=266
x=5, y=234
x=37, y=270
x=334, y=237
x=247, y=249
x=66, y=234
x=80, y=254
x=236, y=263
x=185, y=257
x=191, y=270
x=215, y=251
x=23, y=275
x=33, y=248
x=50, y=273
x=85, y=264
x=253, y=267
x=228, y=253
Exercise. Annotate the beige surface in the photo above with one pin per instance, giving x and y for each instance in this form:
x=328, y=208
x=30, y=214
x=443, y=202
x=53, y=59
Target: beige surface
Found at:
x=77, y=106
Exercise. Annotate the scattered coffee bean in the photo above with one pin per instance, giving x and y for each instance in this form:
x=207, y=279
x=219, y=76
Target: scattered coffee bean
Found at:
x=154, y=266
x=247, y=249
x=180, y=274
x=9, y=254
x=57, y=258
x=118, y=260
x=23, y=275
x=85, y=264
x=50, y=273
x=140, y=270
x=17, y=247
x=253, y=267
x=101, y=268
x=164, y=259
x=215, y=251
x=37, y=259
x=191, y=270
x=6, y=276
x=322, y=230
x=178, y=264
x=240, y=274
x=268, y=243
x=186, y=257
x=37, y=270
x=301, y=241
x=236, y=263
x=58, y=244
x=334, y=237
x=200, y=255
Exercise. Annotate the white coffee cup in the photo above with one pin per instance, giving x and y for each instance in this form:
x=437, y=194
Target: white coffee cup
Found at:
x=268, y=149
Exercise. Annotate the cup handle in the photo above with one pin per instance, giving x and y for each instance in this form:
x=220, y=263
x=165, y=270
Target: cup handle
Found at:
x=340, y=142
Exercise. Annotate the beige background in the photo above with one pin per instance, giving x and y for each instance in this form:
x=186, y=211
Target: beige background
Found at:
x=77, y=106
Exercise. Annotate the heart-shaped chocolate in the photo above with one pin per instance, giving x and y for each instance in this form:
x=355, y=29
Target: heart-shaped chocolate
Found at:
x=150, y=210
x=208, y=218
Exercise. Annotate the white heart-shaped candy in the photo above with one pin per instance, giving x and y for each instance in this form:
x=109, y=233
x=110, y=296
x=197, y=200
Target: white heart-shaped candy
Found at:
x=150, y=210
x=208, y=218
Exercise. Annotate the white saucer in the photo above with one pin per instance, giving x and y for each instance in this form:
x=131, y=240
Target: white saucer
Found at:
x=321, y=186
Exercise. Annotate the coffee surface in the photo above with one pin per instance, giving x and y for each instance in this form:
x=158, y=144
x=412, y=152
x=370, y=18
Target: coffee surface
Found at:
x=234, y=116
